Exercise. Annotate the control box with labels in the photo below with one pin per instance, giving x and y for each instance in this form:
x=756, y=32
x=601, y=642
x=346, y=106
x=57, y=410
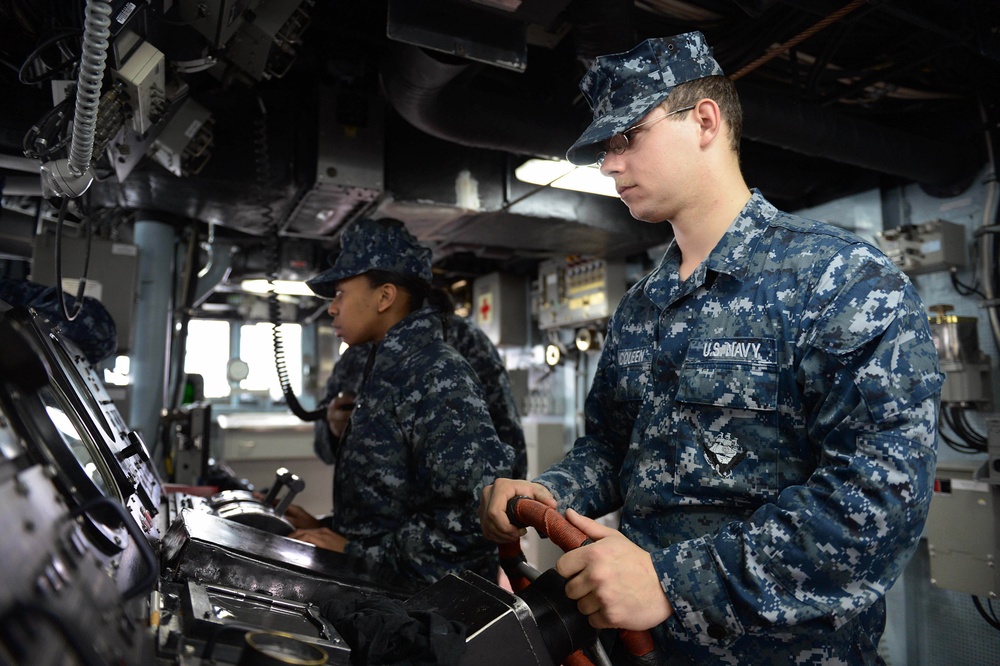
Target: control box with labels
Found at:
x=575, y=291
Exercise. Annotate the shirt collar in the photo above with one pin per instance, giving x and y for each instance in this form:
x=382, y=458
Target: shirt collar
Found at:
x=414, y=331
x=731, y=255
x=733, y=251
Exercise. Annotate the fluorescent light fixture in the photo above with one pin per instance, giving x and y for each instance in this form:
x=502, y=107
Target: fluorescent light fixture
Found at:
x=284, y=287
x=566, y=176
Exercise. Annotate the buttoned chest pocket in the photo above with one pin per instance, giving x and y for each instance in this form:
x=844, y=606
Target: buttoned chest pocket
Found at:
x=724, y=428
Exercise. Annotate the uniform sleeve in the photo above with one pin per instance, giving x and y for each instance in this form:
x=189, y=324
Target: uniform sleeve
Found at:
x=455, y=453
x=492, y=374
x=827, y=549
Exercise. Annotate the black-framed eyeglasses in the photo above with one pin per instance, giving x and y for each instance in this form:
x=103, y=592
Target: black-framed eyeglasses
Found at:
x=619, y=143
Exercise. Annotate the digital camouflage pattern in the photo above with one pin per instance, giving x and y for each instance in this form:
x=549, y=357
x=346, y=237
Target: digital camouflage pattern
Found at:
x=93, y=329
x=768, y=427
x=421, y=448
x=347, y=374
x=369, y=245
x=623, y=87
x=476, y=347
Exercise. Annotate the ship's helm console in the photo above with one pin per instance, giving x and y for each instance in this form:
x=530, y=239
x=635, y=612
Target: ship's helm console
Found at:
x=102, y=566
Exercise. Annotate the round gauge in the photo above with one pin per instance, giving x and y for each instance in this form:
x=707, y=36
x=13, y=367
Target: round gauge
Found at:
x=553, y=355
x=237, y=370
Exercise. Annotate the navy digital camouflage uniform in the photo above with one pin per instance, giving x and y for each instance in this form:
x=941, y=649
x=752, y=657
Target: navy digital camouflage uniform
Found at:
x=93, y=329
x=347, y=374
x=421, y=445
x=476, y=347
x=420, y=451
x=767, y=426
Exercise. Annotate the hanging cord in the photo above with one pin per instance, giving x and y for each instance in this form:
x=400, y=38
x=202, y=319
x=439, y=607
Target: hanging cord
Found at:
x=991, y=616
x=801, y=37
x=969, y=441
x=82, y=286
x=53, y=72
x=88, y=96
x=263, y=164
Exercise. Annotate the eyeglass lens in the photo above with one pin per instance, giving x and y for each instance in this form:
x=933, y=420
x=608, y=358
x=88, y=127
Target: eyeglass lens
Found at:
x=618, y=143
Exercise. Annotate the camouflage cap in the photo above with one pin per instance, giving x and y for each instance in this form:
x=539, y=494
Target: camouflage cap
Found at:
x=369, y=245
x=623, y=87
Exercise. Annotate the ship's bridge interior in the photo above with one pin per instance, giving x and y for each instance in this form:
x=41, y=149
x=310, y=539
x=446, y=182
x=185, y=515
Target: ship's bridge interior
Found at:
x=187, y=164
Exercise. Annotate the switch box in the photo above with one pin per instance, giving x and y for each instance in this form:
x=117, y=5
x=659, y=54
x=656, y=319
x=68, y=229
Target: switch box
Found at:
x=184, y=146
x=575, y=291
x=144, y=76
x=937, y=245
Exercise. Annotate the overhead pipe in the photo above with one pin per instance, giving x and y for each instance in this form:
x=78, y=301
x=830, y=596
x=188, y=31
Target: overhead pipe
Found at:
x=154, y=299
x=16, y=163
x=798, y=39
x=20, y=186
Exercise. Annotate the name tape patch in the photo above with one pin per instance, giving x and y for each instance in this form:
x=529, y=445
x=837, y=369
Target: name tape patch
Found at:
x=754, y=350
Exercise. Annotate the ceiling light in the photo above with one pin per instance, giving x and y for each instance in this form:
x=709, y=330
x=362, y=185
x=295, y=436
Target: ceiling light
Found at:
x=566, y=176
x=284, y=287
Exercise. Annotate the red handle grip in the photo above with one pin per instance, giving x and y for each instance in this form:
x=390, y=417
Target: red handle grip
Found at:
x=532, y=513
x=527, y=512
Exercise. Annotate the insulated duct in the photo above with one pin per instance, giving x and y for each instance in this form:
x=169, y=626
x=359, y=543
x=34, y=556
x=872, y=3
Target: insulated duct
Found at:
x=820, y=132
x=425, y=89
x=428, y=92
x=422, y=89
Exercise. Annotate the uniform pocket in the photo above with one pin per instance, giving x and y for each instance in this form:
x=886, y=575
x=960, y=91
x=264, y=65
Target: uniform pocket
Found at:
x=632, y=383
x=725, y=430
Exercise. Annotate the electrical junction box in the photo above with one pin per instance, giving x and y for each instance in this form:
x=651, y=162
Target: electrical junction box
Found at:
x=968, y=375
x=144, y=77
x=576, y=291
x=184, y=145
x=263, y=47
x=350, y=164
x=963, y=536
x=937, y=245
x=216, y=20
x=500, y=308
